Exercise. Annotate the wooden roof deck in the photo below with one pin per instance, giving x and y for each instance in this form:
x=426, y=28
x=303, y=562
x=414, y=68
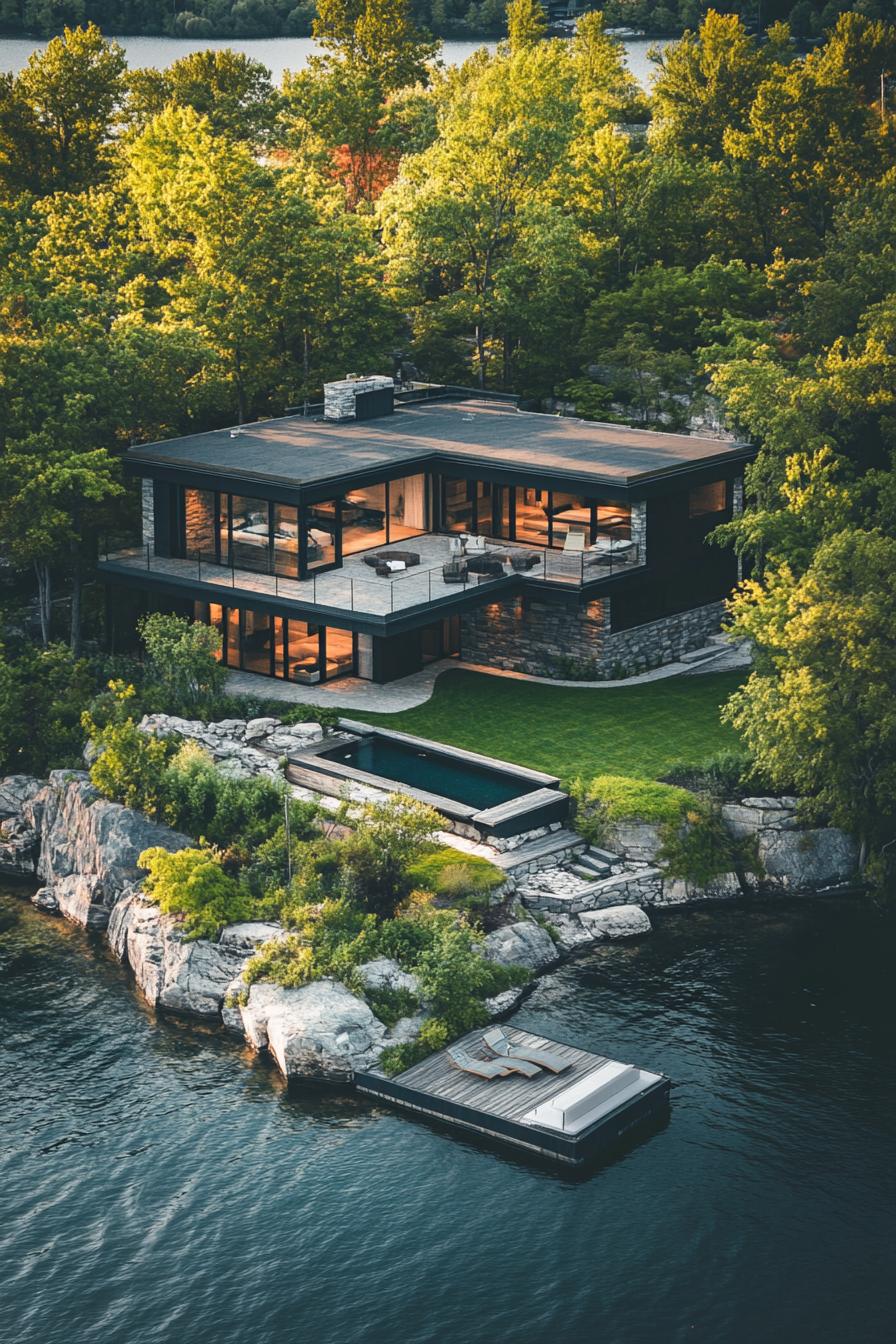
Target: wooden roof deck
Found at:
x=508, y=1098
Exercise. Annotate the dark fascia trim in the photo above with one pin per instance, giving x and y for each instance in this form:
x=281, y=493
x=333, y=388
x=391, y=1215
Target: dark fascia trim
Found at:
x=463, y=466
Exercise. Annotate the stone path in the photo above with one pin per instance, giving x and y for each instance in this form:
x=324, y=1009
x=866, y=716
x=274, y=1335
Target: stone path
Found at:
x=408, y=692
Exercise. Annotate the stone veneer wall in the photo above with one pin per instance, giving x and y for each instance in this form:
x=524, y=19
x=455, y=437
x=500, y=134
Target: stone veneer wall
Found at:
x=639, y=529
x=147, y=509
x=544, y=639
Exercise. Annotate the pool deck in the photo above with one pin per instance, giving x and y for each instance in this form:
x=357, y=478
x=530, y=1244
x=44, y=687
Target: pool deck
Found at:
x=496, y=1108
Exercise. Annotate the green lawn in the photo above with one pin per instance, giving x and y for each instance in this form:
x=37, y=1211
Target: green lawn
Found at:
x=634, y=730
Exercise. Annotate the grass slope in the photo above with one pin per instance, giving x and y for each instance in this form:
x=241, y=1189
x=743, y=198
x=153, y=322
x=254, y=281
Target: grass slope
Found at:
x=634, y=730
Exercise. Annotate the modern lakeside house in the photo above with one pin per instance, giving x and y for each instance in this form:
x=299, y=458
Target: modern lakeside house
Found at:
x=391, y=528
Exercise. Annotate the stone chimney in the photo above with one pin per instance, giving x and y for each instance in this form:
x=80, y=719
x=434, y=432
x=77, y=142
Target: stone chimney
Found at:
x=357, y=397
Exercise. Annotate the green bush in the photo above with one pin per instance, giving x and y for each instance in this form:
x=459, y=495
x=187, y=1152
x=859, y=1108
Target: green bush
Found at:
x=723, y=775
x=391, y=1005
x=434, y=1035
x=327, y=718
x=239, y=815
x=184, y=659
x=699, y=848
x=457, y=878
x=131, y=767
x=333, y=938
x=609, y=798
x=192, y=883
x=376, y=858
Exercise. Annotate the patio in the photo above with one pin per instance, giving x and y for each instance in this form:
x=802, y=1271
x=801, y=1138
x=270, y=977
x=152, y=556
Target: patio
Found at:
x=357, y=589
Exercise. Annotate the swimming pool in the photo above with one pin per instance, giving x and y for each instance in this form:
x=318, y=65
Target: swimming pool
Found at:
x=423, y=768
x=478, y=794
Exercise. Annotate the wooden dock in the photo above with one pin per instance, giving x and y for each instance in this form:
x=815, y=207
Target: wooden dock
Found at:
x=496, y=1108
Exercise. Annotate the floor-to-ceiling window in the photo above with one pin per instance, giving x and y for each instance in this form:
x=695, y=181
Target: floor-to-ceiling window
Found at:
x=363, y=518
x=250, y=533
x=407, y=507
x=531, y=515
x=199, y=523
x=279, y=646
x=286, y=539
x=321, y=524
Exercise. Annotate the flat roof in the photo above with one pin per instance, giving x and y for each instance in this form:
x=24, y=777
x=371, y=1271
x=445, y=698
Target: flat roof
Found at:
x=298, y=450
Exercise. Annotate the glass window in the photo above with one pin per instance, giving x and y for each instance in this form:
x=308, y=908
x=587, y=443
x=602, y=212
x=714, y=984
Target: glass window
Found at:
x=251, y=535
x=614, y=520
x=704, y=499
x=286, y=539
x=320, y=534
x=407, y=507
x=531, y=515
x=340, y=648
x=223, y=529
x=458, y=505
x=363, y=518
x=569, y=513
x=302, y=652
x=216, y=619
x=199, y=517
x=232, y=646
x=258, y=636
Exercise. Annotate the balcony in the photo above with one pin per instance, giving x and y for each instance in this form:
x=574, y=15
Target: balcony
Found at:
x=356, y=590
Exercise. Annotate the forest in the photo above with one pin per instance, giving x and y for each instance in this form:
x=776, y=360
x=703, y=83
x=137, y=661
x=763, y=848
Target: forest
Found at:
x=187, y=248
x=808, y=19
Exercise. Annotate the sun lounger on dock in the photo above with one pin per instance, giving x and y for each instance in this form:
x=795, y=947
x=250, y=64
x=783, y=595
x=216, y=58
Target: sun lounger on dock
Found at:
x=490, y=1068
x=501, y=1045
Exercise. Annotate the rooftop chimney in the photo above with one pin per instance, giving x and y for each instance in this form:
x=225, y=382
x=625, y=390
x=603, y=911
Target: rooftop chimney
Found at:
x=359, y=398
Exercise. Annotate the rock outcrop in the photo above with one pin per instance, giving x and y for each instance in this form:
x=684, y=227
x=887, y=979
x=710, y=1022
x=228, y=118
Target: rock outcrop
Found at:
x=616, y=921
x=318, y=1031
x=384, y=973
x=173, y=972
x=239, y=747
x=522, y=944
x=89, y=847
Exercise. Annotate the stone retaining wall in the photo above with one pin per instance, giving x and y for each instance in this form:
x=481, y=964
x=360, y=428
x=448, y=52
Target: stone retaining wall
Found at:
x=537, y=638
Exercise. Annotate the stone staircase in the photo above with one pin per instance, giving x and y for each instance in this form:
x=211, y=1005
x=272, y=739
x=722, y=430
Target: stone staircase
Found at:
x=549, y=851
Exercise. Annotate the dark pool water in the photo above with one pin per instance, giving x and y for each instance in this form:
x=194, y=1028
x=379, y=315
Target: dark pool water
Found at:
x=465, y=783
x=159, y=1185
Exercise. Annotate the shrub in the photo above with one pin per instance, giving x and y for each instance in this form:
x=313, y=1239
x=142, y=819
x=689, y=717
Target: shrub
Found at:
x=184, y=658
x=192, y=883
x=434, y=1035
x=722, y=775
x=327, y=718
x=131, y=767
x=608, y=798
x=376, y=858
x=391, y=1005
x=332, y=939
x=701, y=848
x=457, y=877
x=236, y=814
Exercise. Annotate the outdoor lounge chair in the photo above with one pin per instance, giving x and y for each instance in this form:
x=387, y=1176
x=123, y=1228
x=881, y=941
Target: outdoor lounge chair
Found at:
x=485, y=1068
x=501, y=1045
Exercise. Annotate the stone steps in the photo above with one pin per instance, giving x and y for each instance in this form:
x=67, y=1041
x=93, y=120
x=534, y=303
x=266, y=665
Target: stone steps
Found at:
x=701, y=655
x=636, y=887
x=535, y=854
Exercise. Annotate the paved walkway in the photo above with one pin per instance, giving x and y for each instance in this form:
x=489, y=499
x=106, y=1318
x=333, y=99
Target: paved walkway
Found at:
x=396, y=696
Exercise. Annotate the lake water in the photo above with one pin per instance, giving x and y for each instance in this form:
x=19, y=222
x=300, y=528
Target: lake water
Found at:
x=160, y=1184
x=277, y=53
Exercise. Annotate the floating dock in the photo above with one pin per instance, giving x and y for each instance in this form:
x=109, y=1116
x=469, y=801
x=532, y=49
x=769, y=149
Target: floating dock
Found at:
x=569, y=1117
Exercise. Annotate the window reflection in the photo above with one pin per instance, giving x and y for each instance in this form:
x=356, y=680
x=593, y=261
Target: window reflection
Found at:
x=320, y=534
x=286, y=539
x=251, y=532
x=363, y=518
x=407, y=507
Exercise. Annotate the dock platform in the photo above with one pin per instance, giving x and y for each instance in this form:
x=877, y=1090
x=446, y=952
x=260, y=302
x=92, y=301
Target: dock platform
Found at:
x=564, y=1129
